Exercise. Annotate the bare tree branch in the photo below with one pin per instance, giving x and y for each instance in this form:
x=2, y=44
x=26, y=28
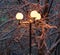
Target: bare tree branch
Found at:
x=54, y=45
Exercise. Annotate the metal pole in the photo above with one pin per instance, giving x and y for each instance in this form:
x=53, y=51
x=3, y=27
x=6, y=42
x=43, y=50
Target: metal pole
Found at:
x=30, y=28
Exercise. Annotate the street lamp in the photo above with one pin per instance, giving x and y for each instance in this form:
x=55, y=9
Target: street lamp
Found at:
x=19, y=16
x=34, y=14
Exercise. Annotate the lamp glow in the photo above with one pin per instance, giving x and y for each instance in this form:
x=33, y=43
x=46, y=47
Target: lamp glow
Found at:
x=33, y=14
x=19, y=16
x=38, y=17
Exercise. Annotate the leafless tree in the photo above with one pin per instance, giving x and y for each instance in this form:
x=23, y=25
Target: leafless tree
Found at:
x=11, y=33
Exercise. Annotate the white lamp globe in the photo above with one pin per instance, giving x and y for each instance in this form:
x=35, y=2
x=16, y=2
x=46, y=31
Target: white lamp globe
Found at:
x=38, y=17
x=33, y=13
x=19, y=16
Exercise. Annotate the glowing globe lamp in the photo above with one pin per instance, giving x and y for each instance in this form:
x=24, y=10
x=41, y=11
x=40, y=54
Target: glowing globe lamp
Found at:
x=19, y=16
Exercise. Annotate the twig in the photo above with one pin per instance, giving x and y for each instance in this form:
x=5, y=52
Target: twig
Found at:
x=54, y=45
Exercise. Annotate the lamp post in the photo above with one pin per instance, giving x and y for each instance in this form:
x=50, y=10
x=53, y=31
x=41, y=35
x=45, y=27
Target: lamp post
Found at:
x=34, y=14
